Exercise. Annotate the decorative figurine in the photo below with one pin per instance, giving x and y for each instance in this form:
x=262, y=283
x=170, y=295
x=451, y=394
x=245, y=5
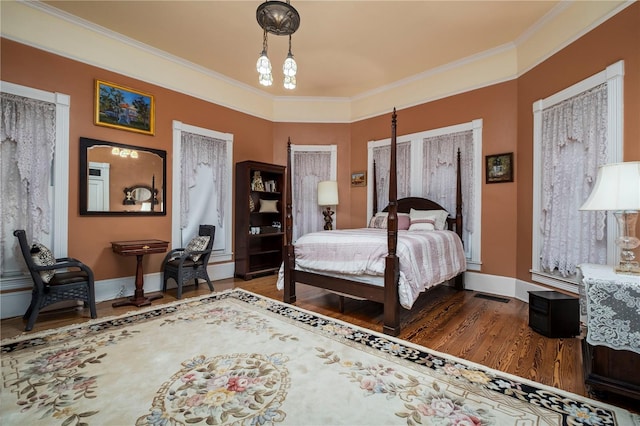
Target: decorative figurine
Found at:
x=328, y=220
x=256, y=183
x=128, y=199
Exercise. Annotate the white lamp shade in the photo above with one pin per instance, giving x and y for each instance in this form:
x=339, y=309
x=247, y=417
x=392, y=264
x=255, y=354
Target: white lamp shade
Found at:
x=617, y=188
x=328, y=193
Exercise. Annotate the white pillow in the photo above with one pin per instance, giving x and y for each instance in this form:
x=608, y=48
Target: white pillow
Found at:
x=428, y=220
x=198, y=243
x=268, y=206
x=42, y=256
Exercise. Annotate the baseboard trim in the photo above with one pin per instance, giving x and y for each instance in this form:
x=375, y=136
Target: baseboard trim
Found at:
x=14, y=304
x=501, y=286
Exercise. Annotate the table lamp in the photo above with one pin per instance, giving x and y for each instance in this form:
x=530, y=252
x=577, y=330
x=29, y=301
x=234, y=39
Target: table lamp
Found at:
x=617, y=188
x=328, y=196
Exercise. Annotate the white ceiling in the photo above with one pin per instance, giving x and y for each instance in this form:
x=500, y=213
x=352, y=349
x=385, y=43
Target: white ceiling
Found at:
x=343, y=48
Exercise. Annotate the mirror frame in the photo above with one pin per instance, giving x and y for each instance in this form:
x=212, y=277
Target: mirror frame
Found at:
x=85, y=144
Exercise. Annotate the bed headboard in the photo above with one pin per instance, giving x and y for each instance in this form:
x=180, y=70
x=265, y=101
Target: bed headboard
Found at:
x=406, y=204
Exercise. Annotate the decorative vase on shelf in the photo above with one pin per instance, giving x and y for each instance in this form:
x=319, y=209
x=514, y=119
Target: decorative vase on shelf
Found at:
x=252, y=206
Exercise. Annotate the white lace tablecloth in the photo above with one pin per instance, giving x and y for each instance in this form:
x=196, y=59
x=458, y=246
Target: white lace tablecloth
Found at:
x=612, y=303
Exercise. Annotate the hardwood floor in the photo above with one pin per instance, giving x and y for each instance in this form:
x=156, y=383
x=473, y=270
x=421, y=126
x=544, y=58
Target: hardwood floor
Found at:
x=487, y=332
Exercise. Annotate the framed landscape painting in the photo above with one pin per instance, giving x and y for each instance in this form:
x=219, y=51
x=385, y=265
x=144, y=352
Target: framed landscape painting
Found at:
x=359, y=179
x=124, y=108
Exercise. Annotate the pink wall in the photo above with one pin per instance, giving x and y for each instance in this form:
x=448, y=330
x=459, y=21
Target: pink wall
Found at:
x=506, y=110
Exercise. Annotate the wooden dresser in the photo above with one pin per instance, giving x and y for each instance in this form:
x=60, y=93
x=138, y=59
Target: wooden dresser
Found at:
x=609, y=308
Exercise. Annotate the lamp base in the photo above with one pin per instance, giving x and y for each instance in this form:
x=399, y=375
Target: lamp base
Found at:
x=627, y=242
x=632, y=268
x=328, y=220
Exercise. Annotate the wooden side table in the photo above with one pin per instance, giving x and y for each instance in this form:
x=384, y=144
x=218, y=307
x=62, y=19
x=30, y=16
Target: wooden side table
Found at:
x=138, y=248
x=610, y=349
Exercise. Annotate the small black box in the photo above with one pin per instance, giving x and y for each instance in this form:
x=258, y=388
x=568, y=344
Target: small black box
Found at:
x=554, y=314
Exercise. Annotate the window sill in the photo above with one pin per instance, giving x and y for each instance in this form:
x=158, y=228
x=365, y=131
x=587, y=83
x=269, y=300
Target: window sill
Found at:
x=16, y=283
x=555, y=281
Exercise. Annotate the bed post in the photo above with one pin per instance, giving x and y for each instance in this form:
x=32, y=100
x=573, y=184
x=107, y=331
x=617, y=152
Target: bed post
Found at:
x=289, y=255
x=459, y=282
x=459, y=197
x=391, y=321
x=375, y=190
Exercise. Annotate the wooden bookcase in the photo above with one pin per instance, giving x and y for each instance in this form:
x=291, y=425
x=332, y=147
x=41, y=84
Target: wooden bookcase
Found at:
x=258, y=252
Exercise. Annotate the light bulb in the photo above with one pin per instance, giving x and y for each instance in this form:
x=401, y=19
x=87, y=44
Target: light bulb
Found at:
x=266, y=79
x=263, y=66
x=290, y=68
x=289, y=82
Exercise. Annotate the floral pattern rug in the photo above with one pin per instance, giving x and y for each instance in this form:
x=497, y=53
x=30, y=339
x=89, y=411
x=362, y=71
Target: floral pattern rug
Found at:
x=238, y=358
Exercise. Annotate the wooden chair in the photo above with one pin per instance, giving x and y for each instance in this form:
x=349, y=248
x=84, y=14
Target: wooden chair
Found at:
x=180, y=265
x=61, y=283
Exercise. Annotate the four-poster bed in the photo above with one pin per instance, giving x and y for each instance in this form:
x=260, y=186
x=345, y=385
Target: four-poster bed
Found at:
x=398, y=286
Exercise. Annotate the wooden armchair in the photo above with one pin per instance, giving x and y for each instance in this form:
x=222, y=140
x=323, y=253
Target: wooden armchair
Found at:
x=52, y=281
x=184, y=264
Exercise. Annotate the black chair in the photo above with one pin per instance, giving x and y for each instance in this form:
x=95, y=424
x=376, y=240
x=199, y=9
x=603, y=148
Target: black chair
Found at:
x=180, y=265
x=76, y=284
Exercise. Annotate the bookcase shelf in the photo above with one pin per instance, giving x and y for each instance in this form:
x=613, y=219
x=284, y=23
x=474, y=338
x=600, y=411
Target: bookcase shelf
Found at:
x=258, y=253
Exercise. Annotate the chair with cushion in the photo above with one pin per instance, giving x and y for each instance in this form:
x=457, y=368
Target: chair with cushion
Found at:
x=190, y=262
x=55, y=280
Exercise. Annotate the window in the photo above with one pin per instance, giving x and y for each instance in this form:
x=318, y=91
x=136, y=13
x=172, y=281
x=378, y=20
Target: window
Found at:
x=575, y=131
x=310, y=164
x=202, y=184
x=426, y=168
x=54, y=233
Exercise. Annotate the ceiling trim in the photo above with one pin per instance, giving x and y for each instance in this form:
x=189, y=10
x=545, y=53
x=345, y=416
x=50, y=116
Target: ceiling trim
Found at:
x=53, y=30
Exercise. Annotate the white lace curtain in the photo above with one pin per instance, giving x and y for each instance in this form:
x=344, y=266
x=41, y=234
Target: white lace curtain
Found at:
x=439, y=160
x=27, y=143
x=309, y=168
x=574, y=143
x=199, y=150
x=381, y=156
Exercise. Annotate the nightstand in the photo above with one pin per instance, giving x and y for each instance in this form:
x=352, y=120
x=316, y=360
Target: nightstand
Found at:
x=554, y=314
x=611, y=348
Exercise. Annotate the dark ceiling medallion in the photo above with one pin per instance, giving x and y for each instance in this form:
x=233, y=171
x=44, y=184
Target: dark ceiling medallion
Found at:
x=278, y=17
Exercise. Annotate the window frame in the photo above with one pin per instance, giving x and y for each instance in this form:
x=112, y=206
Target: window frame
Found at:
x=473, y=246
x=613, y=75
x=226, y=254
x=59, y=189
x=333, y=173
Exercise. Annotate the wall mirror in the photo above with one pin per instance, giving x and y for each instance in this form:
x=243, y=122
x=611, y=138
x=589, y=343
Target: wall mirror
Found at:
x=119, y=179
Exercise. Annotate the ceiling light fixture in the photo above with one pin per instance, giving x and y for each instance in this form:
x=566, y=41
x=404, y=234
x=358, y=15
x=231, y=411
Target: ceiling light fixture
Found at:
x=279, y=18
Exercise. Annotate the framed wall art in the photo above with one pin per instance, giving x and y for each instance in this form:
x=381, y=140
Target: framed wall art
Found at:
x=499, y=168
x=124, y=108
x=359, y=179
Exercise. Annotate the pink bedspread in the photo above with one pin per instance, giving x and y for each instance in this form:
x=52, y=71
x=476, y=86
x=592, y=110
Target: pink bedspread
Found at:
x=427, y=258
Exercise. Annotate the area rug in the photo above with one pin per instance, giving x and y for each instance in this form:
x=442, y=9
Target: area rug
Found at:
x=239, y=358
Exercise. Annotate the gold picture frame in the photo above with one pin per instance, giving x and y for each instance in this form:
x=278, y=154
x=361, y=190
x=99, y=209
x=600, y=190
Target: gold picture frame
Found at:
x=123, y=108
x=359, y=179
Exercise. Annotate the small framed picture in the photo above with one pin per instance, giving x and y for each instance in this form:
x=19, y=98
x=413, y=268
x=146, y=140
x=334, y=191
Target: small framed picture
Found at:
x=499, y=168
x=359, y=179
x=123, y=108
